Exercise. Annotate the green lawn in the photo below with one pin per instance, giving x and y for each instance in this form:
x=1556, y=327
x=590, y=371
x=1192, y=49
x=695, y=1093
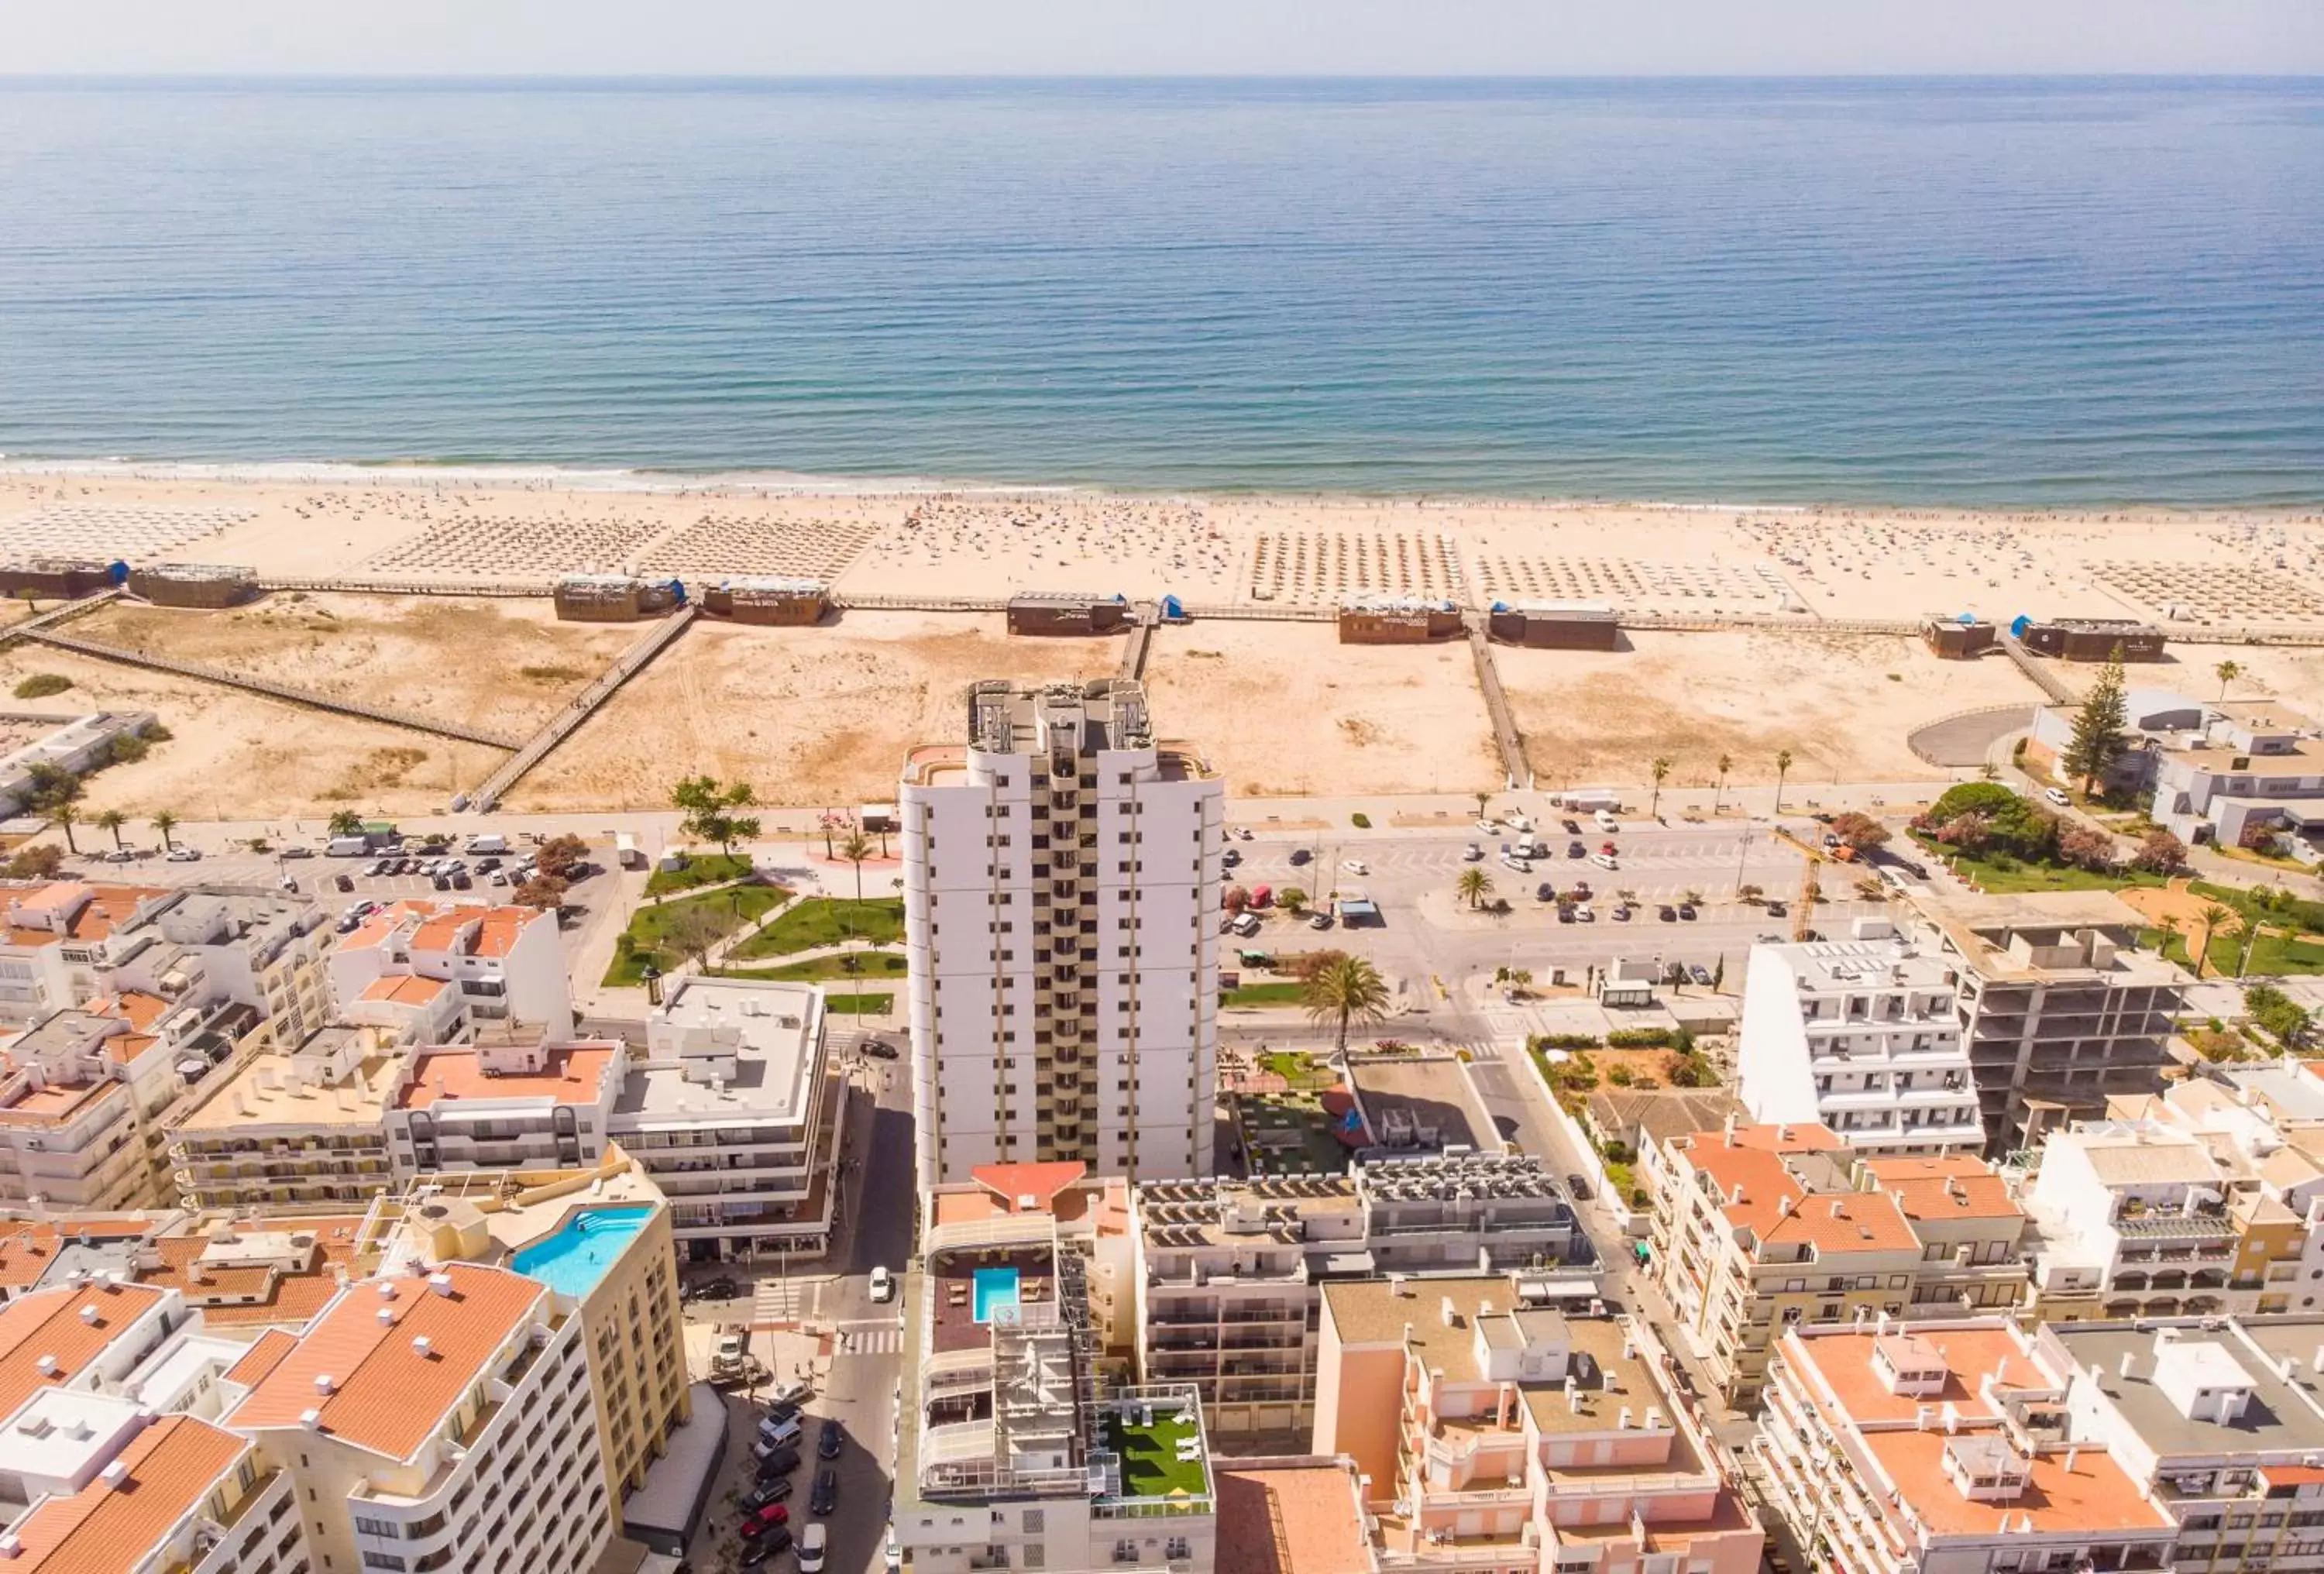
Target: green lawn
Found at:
x=702, y=869
x=1150, y=1465
x=876, y=964
x=2017, y=875
x=828, y=921
x=2271, y=955
x=1262, y=995
x=650, y=926
x=859, y=1005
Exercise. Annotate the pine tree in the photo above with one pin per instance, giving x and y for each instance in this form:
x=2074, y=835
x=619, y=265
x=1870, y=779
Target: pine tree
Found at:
x=2097, y=741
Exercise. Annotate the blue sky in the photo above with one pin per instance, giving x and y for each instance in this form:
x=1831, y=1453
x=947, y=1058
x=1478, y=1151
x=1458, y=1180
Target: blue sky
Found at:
x=1166, y=37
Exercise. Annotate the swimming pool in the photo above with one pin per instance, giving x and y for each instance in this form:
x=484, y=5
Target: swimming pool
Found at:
x=576, y=1255
x=995, y=1288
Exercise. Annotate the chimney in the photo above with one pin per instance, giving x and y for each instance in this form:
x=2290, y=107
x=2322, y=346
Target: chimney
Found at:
x=116, y=1472
x=1736, y=1200
x=441, y=1283
x=312, y=1420
x=1922, y=1415
x=2071, y=1455
x=47, y=1366
x=323, y=1383
x=1622, y=1422
x=1654, y=1418
x=1784, y=1133
x=2129, y=1365
x=421, y=1345
x=89, y=1314
x=1407, y=1333
x=386, y=1315
x=1731, y=1128
x=1451, y=1318
x=387, y=1289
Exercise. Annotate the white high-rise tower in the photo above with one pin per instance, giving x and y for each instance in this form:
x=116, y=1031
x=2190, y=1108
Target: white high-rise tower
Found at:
x=1061, y=900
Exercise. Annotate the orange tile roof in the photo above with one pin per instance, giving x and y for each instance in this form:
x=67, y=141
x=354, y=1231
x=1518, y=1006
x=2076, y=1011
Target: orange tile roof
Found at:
x=26, y=1250
x=1039, y=1182
x=1775, y=1206
x=1295, y=1519
x=56, y=1102
x=135, y=1007
x=1954, y=1187
x=107, y=1527
x=263, y=1357
x=48, y=1322
x=406, y=989
x=296, y=1297
x=385, y=1395
x=1846, y=1221
x=575, y=1074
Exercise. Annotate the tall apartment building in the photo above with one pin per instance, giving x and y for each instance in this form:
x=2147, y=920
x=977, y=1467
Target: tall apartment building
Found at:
x=82, y=1101
x=505, y=964
x=2058, y=1009
x=1061, y=883
x=1013, y=1449
x=1759, y=1228
x=1498, y=1437
x=734, y=1112
x=440, y=1422
x=55, y=942
x=1946, y=1446
x=300, y=1129
x=1861, y=1035
x=1230, y=1272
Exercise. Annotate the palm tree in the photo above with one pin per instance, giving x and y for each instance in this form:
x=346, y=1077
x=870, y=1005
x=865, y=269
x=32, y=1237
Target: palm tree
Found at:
x=1660, y=768
x=2226, y=672
x=165, y=823
x=1483, y=800
x=1782, y=768
x=2214, y=915
x=64, y=813
x=1345, y=990
x=855, y=848
x=112, y=820
x=347, y=822
x=1725, y=764
x=2169, y=929
x=1474, y=884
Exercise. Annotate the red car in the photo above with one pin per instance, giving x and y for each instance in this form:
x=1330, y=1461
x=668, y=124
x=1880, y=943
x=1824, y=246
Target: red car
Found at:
x=1608, y=849
x=766, y=1519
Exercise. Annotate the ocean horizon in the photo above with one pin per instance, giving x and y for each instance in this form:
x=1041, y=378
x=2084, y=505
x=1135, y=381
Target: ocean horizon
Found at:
x=2011, y=292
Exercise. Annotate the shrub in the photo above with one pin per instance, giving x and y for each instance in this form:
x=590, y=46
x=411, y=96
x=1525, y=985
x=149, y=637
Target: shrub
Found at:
x=2085, y=848
x=41, y=862
x=2160, y=852
x=1639, y=1039
x=42, y=684
x=1861, y=832
x=1619, y=1076
x=1542, y=1041
x=1362, y=821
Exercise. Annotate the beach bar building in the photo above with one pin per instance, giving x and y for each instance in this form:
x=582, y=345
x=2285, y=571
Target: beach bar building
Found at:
x=788, y=603
x=1964, y=638
x=1066, y=612
x=615, y=598
x=2092, y=638
x=1555, y=625
x=63, y=579
x=1396, y=619
x=204, y=586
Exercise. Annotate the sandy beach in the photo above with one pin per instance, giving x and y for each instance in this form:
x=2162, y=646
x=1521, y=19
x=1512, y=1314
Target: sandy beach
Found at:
x=820, y=716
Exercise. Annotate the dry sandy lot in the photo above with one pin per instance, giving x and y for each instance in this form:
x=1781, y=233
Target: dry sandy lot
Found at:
x=807, y=716
x=1284, y=708
x=504, y=663
x=1597, y=718
x=235, y=755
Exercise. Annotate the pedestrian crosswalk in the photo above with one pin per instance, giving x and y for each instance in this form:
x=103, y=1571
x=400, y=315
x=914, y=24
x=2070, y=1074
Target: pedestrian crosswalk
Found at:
x=778, y=1300
x=871, y=1338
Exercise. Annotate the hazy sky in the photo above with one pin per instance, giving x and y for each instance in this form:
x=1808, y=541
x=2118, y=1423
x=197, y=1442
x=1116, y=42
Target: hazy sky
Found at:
x=1164, y=37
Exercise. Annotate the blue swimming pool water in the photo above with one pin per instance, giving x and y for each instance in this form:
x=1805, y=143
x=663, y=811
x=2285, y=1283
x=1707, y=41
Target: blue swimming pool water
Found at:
x=572, y=1260
x=995, y=1288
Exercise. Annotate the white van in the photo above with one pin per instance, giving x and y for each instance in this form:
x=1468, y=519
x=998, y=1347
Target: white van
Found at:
x=490, y=842
x=814, y=1544
x=1606, y=821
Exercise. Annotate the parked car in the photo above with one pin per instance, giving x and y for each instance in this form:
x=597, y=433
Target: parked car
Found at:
x=1230, y=857
x=815, y=1542
x=1605, y=860
x=883, y=1290
x=1472, y=854
x=879, y=1049
x=1582, y=915
x=1510, y=861
x=461, y=882
x=1570, y=827
x=1300, y=855
x=778, y=1413
x=192, y=855
x=776, y=1462
x=763, y=1520
x=718, y=1289
x=791, y=1391
x=778, y=1539
x=2058, y=796
x=1488, y=827
x=1544, y=892
x=1622, y=912
x=1686, y=911
x=1355, y=866
x=1774, y=909
x=1667, y=913
x=1700, y=974
x=1607, y=847
x=825, y=1495
x=296, y=853
x=767, y=1492
x=831, y=1440
x=1565, y=913
x=1576, y=850
x=1319, y=920
x=1579, y=1187
x=339, y=882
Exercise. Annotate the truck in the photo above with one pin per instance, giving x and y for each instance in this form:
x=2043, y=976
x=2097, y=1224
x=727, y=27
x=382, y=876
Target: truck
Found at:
x=626, y=852
x=348, y=846
x=1532, y=846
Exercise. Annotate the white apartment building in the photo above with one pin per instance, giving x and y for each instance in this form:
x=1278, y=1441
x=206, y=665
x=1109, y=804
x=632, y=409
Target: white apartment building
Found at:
x=506, y=964
x=82, y=1101
x=285, y=1130
x=507, y=1102
x=734, y=1113
x=55, y=940
x=2138, y=1215
x=1061, y=882
x=437, y=1422
x=1863, y=1035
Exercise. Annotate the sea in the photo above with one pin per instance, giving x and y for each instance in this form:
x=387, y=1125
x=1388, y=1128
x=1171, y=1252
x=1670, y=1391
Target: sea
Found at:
x=2013, y=292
